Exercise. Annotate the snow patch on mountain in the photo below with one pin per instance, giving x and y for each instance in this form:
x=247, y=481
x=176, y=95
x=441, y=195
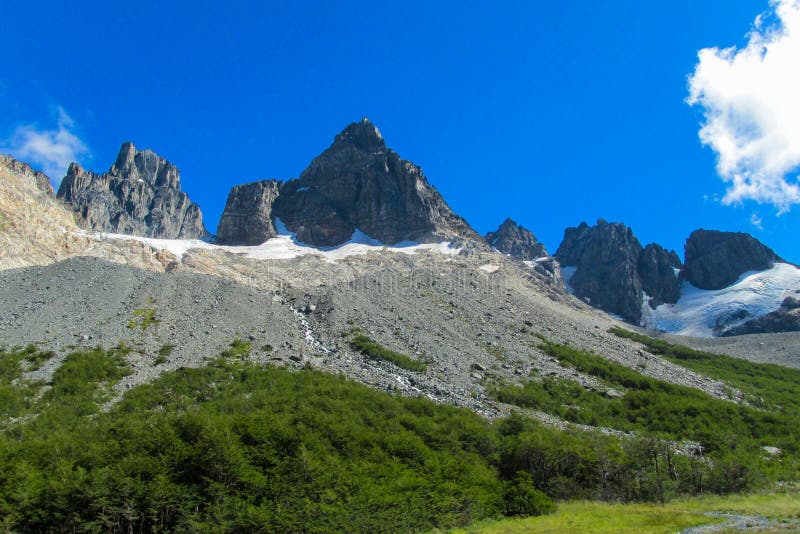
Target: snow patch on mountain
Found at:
x=566, y=275
x=706, y=313
x=285, y=246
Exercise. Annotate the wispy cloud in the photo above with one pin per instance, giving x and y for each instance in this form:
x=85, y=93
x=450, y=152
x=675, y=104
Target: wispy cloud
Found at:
x=757, y=221
x=751, y=102
x=52, y=150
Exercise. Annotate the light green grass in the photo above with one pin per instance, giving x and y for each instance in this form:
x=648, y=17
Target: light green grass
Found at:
x=598, y=517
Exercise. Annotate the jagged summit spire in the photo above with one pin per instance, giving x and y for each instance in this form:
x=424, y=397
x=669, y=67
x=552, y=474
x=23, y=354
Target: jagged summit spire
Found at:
x=364, y=135
x=125, y=156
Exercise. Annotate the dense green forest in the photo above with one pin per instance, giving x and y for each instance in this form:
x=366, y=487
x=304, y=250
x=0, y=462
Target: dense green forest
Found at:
x=236, y=446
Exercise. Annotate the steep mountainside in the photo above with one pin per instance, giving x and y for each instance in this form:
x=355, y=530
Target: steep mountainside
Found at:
x=139, y=195
x=38, y=229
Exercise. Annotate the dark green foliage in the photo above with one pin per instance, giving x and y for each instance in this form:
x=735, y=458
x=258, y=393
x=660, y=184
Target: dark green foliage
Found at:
x=236, y=447
x=16, y=396
x=239, y=447
x=371, y=349
x=522, y=497
x=238, y=350
x=768, y=386
x=166, y=350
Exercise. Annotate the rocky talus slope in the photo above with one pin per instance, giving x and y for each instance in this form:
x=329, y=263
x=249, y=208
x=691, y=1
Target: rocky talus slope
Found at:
x=139, y=195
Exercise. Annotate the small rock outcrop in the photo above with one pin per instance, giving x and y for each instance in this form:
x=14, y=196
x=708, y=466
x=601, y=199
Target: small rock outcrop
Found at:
x=26, y=172
x=784, y=319
x=612, y=270
x=359, y=183
x=139, y=195
x=247, y=218
x=516, y=241
x=714, y=259
x=659, y=271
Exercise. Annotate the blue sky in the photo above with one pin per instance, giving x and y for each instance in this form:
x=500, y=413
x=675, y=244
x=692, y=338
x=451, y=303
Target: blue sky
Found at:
x=548, y=112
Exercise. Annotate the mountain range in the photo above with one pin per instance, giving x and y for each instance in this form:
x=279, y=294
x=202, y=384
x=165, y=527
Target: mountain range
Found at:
x=348, y=354
x=359, y=187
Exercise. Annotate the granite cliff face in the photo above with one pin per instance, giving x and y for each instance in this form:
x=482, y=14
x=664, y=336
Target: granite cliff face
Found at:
x=359, y=183
x=139, y=195
x=516, y=241
x=247, y=219
x=717, y=259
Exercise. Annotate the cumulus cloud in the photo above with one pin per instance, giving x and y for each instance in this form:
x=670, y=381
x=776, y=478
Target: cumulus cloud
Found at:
x=50, y=150
x=751, y=104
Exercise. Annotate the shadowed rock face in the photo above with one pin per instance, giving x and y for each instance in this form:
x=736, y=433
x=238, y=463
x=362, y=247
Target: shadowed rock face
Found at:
x=358, y=183
x=612, y=269
x=516, y=241
x=606, y=257
x=247, y=218
x=140, y=195
x=715, y=259
x=658, y=269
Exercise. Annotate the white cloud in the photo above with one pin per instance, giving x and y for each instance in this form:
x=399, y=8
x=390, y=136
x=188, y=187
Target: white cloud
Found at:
x=757, y=221
x=751, y=103
x=50, y=150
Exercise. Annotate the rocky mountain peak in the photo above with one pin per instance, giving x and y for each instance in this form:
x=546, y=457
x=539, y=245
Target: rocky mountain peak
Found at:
x=139, y=195
x=516, y=241
x=358, y=183
x=605, y=258
x=363, y=135
x=145, y=165
x=716, y=259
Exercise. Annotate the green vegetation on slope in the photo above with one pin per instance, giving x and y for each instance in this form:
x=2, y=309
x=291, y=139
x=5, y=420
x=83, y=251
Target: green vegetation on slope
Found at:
x=731, y=435
x=767, y=386
x=371, y=349
x=240, y=447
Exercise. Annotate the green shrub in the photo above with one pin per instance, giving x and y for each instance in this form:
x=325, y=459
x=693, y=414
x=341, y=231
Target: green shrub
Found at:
x=523, y=499
x=371, y=349
x=238, y=350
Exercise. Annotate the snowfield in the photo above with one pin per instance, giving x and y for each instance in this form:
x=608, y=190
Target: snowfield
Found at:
x=285, y=246
x=706, y=313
